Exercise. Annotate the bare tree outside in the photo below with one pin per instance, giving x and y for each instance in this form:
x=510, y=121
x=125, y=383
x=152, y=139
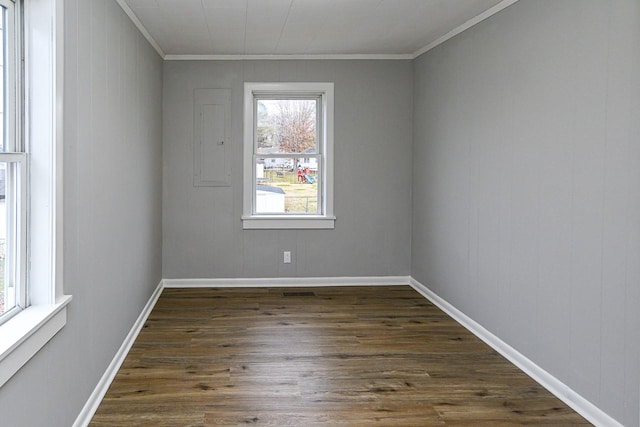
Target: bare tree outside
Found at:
x=287, y=126
x=295, y=125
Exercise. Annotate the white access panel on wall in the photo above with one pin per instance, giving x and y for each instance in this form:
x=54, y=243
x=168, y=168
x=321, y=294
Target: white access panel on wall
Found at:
x=212, y=136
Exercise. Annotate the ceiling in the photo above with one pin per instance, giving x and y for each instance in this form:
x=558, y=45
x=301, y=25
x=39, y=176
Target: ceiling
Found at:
x=186, y=29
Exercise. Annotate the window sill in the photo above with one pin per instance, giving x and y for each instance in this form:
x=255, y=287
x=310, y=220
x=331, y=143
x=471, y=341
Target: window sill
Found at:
x=288, y=223
x=27, y=332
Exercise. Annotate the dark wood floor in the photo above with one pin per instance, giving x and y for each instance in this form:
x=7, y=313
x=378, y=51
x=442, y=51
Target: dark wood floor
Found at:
x=349, y=356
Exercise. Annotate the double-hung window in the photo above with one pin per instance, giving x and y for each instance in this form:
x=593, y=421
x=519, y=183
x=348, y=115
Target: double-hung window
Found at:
x=13, y=170
x=288, y=155
x=32, y=302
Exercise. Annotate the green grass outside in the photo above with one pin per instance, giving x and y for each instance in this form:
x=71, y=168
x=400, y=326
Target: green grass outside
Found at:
x=299, y=197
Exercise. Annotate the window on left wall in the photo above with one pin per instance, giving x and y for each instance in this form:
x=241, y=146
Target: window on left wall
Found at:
x=32, y=302
x=13, y=168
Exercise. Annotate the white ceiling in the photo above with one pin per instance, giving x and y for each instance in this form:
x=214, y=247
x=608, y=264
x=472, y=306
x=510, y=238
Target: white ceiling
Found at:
x=383, y=28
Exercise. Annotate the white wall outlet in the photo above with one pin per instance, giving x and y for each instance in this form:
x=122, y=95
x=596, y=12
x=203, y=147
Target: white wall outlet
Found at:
x=286, y=257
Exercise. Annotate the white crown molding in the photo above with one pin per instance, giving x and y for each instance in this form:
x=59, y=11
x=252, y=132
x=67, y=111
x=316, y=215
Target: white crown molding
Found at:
x=562, y=391
x=123, y=4
x=377, y=57
x=393, y=57
x=470, y=23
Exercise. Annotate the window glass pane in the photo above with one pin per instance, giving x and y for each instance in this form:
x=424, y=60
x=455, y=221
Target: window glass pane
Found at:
x=7, y=290
x=3, y=78
x=287, y=185
x=286, y=126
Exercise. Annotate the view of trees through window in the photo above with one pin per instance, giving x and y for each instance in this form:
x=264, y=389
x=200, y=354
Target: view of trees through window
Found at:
x=286, y=126
x=286, y=162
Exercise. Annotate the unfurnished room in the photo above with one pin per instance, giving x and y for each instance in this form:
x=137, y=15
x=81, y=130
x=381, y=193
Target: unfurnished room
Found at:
x=319, y=213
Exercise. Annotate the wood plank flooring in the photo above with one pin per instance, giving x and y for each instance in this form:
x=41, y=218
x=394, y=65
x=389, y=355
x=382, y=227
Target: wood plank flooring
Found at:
x=348, y=356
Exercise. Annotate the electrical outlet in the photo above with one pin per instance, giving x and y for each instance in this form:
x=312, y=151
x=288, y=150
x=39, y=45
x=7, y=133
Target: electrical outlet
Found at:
x=286, y=257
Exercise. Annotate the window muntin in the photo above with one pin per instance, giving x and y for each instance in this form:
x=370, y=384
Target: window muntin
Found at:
x=288, y=155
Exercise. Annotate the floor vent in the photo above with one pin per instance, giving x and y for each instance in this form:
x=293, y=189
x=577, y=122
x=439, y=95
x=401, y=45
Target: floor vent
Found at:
x=299, y=294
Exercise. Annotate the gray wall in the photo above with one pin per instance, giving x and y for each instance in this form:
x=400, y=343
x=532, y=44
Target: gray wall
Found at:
x=112, y=204
x=526, y=209
x=202, y=230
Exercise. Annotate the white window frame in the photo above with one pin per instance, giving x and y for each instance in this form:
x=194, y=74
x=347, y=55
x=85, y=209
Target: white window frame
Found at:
x=44, y=308
x=325, y=219
x=15, y=158
x=16, y=217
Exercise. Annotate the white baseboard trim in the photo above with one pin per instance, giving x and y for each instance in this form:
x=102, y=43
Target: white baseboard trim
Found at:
x=578, y=403
x=90, y=408
x=92, y=404
x=284, y=282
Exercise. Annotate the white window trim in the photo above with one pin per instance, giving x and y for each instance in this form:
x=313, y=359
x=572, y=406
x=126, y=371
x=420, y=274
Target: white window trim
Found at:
x=256, y=221
x=27, y=332
x=16, y=166
x=15, y=258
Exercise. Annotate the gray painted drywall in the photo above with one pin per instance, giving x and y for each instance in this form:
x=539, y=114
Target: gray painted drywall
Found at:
x=526, y=209
x=112, y=205
x=202, y=230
